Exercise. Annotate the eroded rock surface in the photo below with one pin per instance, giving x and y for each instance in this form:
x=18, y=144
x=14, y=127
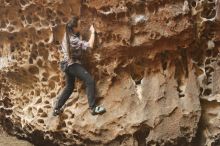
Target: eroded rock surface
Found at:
x=6, y=139
x=156, y=66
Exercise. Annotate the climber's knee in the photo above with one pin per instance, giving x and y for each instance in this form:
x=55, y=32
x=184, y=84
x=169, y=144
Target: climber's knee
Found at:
x=90, y=81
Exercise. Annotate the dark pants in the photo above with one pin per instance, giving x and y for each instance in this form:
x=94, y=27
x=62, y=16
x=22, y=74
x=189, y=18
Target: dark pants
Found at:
x=73, y=71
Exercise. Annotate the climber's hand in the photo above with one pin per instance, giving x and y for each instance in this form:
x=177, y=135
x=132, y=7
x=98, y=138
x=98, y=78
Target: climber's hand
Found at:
x=69, y=61
x=92, y=29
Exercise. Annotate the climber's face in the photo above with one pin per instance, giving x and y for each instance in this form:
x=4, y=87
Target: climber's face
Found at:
x=77, y=28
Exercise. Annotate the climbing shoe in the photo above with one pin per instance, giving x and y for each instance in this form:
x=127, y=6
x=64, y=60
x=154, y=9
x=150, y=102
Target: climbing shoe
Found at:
x=98, y=110
x=57, y=112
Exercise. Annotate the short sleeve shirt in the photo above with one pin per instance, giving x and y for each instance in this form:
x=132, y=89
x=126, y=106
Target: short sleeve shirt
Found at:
x=76, y=43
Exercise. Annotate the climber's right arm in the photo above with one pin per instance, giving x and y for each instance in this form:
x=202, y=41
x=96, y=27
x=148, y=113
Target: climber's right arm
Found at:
x=91, y=40
x=92, y=37
x=85, y=44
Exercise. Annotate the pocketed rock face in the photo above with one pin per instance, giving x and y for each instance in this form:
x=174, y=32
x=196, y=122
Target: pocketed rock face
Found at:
x=155, y=63
x=6, y=139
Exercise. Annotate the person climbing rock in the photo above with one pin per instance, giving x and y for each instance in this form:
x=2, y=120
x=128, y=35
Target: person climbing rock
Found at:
x=73, y=47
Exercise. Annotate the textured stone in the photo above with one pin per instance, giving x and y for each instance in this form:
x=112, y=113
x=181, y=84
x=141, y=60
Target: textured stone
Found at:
x=155, y=63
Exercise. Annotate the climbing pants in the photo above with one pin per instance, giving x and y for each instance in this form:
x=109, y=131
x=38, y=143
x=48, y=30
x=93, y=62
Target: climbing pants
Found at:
x=73, y=71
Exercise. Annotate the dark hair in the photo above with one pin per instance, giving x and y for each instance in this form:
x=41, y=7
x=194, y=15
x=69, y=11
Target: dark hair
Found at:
x=69, y=30
x=71, y=24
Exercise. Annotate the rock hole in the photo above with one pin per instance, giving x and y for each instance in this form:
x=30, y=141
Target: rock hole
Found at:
x=193, y=3
x=212, y=14
x=19, y=11
x=30, y=60
x=52, y=94
x=60, y=13
x=44, y=79
x=22, y=17
x=3, y=24
x=105, y=9
x=46, y=40
x=207, y=92
x=34, y=54
x=45, y=74
x=209, y=70
x=43, y=52
x=22, y=2
x=141, y=135
x=138, y=82
x=62, y=124
x=64, y=116
x=40, y=121
x=164, y=57
x=38, y=32
x=208, y=61
x=37, y=93
x=40, y=110
x=55, y=78
x=208, y=53
x=47, y=106
x=39, y=62
x=11, y=37
x=39, y=101
x=69, y=123
x=51, y=84
x=72, y=116
x=201, y=90
x=33, y=69
x=7, y=1
x=46, y=102
x=44, y=115
x=29, y=20
x=64, y=19
x=10, y=28
x=181, y=95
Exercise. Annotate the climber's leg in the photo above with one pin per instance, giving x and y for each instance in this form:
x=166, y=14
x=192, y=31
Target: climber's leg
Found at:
x=79, y=71
x=67, y=91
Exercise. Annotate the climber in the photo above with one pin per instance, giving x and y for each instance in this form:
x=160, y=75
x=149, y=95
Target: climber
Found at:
x=73, y=47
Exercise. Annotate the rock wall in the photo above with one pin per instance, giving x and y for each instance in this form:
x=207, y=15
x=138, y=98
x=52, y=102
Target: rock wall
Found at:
x=6, y=140
x=155, y=63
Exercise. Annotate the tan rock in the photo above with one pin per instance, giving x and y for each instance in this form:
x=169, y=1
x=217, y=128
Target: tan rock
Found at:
x=155, y=63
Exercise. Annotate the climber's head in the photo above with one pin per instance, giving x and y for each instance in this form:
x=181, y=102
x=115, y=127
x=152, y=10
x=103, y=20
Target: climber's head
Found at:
x=73, y=26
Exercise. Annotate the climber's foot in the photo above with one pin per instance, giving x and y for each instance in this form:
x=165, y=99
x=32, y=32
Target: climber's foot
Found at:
x=57, y=112
x=98, y=110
